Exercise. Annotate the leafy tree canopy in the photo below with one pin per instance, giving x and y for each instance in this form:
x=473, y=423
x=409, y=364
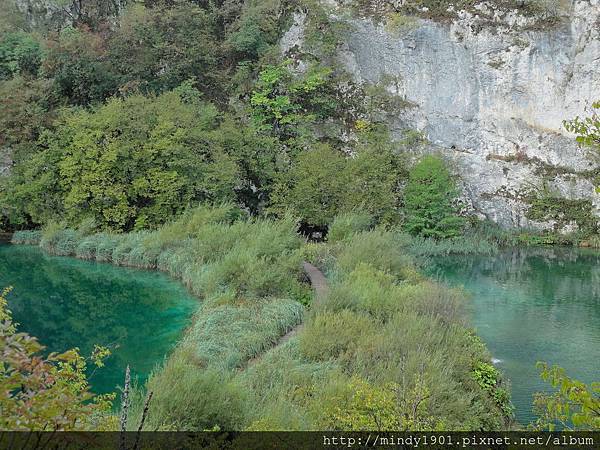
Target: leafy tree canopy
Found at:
x=130, y=163
x=323, y=182
x=429, y=200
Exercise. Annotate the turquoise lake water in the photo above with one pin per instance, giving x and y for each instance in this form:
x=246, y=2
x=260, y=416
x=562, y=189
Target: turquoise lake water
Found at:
x=533, y=305
x=68, y=303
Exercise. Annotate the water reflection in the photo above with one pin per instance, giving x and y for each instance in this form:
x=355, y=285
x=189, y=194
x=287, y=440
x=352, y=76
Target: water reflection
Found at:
x=531, y=305
x=66, y=303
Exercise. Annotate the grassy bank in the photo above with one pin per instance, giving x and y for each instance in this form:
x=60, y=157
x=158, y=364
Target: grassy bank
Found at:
x=386, y=349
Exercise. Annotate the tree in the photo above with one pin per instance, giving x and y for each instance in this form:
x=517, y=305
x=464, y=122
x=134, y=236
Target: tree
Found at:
x=131, y=163
x=285, y=105
x=78, y=64
x=373, y=176
x=47, y=393
x=157, y=49
x=257, y=28
x=574, y=406
x=429, y=200
x=323, y=183
x=24, y=110
x=314, y=188
x=20, y=54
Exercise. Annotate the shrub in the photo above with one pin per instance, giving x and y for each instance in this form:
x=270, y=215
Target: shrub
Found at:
x=46, y=392
x=429, y=200
x=58, y=240
x=347, y=224
x=573, y=406
x=27, y=237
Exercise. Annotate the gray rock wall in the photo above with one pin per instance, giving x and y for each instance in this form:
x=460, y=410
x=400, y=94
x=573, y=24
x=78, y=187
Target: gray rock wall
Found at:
x=491, y=96
x=56, y=14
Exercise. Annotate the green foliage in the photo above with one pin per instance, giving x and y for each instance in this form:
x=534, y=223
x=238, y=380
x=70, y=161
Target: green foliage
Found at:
x=488, y=377
x=345, y=225
x=545, y=205
x=47, y=393
x=573, y=405
x=362, y=407
x=429, y=201
x=131, y=163
x=257, y=28
x=79, y=67
x=283, y=104
x=587, y=129
x=314, y=188
x=323, y=183
x=24, y=113
x=190, y=399
x=156, y=49
x=20, y=54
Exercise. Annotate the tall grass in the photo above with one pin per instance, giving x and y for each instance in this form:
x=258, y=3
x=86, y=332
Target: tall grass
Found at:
x=187, y=397
x=227, y=335
x=27, y=237
x=246, y=271
x=381, y=323
x=384, y=322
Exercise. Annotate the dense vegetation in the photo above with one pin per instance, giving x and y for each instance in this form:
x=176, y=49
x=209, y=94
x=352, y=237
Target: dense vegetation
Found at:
x=175, y=136
x=383, y=332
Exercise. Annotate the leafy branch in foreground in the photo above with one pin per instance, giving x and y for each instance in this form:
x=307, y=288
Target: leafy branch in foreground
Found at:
x=51, y=393
x=587, y=130
x=575, y=406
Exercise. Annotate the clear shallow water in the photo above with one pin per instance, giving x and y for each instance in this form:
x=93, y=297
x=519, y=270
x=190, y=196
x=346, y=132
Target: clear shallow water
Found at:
x=533, y=305
x=68, y=303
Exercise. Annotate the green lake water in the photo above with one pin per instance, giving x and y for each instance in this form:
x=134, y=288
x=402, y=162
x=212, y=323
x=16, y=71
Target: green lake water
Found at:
x=533, y=305
x=68, y=303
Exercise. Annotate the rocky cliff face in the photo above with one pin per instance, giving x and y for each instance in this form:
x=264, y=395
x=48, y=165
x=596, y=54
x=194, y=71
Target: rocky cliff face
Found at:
x=56, y=14
x=490, y=90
